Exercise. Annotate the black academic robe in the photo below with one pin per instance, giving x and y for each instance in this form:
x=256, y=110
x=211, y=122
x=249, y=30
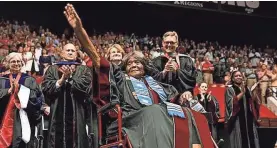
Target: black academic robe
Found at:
x=213, y=108
x=184, y=79
x=33, y=109
x=68, y=107
x=139, y=120
x=241, y=118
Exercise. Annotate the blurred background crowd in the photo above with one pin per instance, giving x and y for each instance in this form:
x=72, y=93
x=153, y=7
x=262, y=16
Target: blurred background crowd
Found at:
x=41, y=47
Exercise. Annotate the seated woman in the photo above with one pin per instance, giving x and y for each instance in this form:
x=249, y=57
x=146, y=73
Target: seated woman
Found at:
x=146, y=102
x=20, y=105
x=149, y=119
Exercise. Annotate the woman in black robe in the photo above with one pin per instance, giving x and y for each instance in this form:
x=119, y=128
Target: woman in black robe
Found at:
x=241, y=114
x=139, y=117
x=18, y=120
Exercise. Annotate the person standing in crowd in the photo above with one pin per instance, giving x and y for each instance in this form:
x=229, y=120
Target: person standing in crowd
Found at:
x=210, y=104
x=254, y=58
x=207, y=69
x=219, y=70
x=136, y=114
x=263, y=77
x=273, y=87
x=272, y=91
x=241, y=114
x=20, y=105
x=38, y=53
x=44, y=61
x=175, y=69
x=198, y=69
x=250, y=74
x=31, y=65
x=209, y=54
x=68, y=87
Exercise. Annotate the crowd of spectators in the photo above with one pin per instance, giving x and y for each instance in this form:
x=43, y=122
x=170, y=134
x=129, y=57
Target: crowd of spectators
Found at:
x=213, y=62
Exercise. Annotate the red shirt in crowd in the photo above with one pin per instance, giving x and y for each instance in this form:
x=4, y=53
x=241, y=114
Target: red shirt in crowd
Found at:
x=207, y=65
x=4, y=44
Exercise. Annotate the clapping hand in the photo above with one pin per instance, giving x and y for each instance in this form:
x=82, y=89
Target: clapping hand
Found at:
x=171, y=65
x=46, y=110
x=11, y=89
x=14, y=85
x=243, y=87
x=65, y=69
x=72, y=16
x=202, y=97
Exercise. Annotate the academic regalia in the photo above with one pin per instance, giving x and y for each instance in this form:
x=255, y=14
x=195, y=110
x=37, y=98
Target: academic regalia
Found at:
x=241, y=118
x=184, y=79
x=69, y=109
x=139, y=120
x=213, y=108
x=33, y=109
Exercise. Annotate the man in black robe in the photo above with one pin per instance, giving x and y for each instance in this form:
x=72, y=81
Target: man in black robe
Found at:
x=20, y=105
x=176, y=69
x=68, y=87
x=241, y=114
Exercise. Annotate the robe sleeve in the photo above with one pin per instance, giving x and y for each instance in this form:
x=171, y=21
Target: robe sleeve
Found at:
x=151, y=70
x=35, y=99
x=82, y=82
x=115, y=78
x=3, y=90
x=186, y=74
x=232, y=104
x=195, y=138
x=48, y=85
x=172, y=94
x=216, y=106
x=3, y=93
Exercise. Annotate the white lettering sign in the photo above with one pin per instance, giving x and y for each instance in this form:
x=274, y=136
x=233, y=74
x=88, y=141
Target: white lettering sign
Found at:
x=250, y=4
x=187, y=3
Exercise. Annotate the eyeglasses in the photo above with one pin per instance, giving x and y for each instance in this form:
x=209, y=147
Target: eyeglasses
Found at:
x=13, y=62
x=170, y=42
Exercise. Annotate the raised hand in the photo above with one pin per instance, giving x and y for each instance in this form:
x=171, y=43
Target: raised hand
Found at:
x=72, y=16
